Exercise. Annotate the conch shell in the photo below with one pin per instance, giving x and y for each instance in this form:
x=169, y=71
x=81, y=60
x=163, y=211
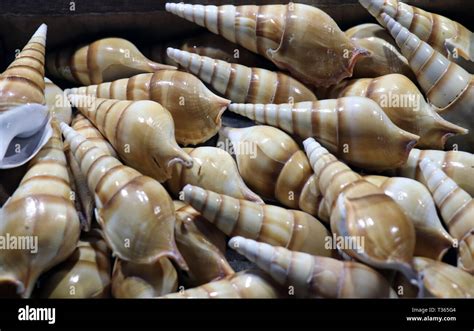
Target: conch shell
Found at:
x=22, y=96
x=446, y=36
x=353, y=128
x=213, y=169
x=442, y=280
x=134, y=281
x=84, y=197
x=104, y=60
x=278, y=170
x=135, y=212
x=57, y=102
x=195, y=109
x=142, y=133
x=274, y=225
x=458, y=165
x=205, y=259
x=297, y=38
x=85, y=274
x=243, y=84
x=213, y=46
x=432, y=240
x=455, y=204
x=314, y=276
x=448, y=86
x=41, y=215
x=245, y=285
x=404, y=104
x=381, y=234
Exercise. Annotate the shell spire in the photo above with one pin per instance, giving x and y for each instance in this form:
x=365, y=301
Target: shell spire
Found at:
x=142, y=133
x=382, y=235
x=314, y=276
x=243, y=84
x=271, y=224
x=291, y=36
x=354, y=128
x=447, y=85
x=135, y=212
x=41, y=213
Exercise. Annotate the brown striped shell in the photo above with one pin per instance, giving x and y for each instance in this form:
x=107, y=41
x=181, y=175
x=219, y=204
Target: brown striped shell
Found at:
x=142, y=133
x=213, y=169
x=446, y=36
x=274, y=225
x=103, y=60
x=243, y=84
x=243, y=285
x=57, y=102
x=85, y=274
x=195, y=109
x=138, y=281
x=277, y=169
x=41, y=210
x=314, y=276
x=197, y=243
x=135, y=212
x=456, y=164
x=353, y=128
x=382, y=234
x=441, y=280
x=447, y=85
x=291, y=36
x=404, y=104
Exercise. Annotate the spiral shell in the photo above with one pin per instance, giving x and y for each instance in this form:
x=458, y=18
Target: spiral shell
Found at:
x=85, y=274
x=213, y=169
x=353, y=128
x=142, y=133
x=206, y=261
x=41, y=210
x=243, y=84
x=244, y=285
x=278, y=170
x=404, y=104
x=195, y=109
x=22, y=96
x=277, y=226
x=456, y=164
x=133, y=281
x=57, y=102
x=432, y=240
x=213, y=46
x=291, y=36
x=360, y=209
x=447, y=86
x=104, y=60
x=442, y=280
x=446, y=36
x=456, y=207
x=314, y=276
x=135, y=212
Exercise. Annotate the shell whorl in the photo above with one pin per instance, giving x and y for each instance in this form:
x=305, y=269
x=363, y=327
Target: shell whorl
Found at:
x=274, y=225
x=142, y=132
x=101, y=61
x=314, y=276
x=135, y=212
x=455, y=204
x=346, y=126
x=83, y=126
x=291, y=36
x=23, y=81
x=191, y=104
x=243, y=84
x=447, y=85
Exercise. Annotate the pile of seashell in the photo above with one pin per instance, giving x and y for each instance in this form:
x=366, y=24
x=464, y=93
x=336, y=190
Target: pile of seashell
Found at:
x=96, y=202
